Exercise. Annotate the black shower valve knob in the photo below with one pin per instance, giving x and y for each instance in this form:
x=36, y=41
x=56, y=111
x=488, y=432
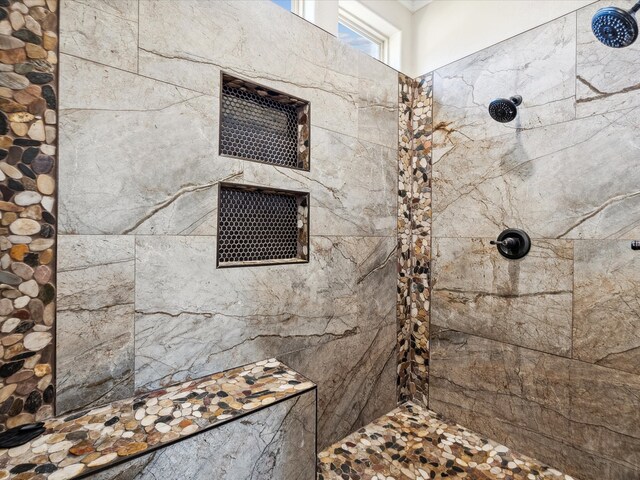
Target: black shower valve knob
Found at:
x=512, y=243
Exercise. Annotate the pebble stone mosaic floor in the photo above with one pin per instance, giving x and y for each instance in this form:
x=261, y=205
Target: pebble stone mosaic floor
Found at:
x=77, y=444
x=413, y=443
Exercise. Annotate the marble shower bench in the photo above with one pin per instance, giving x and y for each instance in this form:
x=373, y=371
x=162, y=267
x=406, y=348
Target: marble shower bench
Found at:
x=256, y=421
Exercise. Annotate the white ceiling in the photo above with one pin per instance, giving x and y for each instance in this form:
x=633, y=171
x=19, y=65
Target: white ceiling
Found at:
x=414, y=5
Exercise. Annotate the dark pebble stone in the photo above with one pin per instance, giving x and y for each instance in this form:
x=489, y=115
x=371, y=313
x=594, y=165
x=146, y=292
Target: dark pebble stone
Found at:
x=47, y=231
x=26, y=142
x=16, y=408
x=73, y=436
x=10, y=368
x=5, y=3
x=49, y=96
x=9, y=278
x=46, y=468
x=22, y=314
x=112, y=421
x=3, y=153
x=42, y=164
x=29, y=154
x=3, y=14
x=47, y=395
x=27, y=36
x=164, y=419
x=15, y=154
x=32, y=259
x=23, y=467
x=6, y=405
x=137, y=405
x=33, y=402
x=7, y=193
x=39, y=78
x=26, y=171
x=24, y=327
x=4, y=124
x=22, y=356
x=15, y=185
x=48, y=217
x=47, y=293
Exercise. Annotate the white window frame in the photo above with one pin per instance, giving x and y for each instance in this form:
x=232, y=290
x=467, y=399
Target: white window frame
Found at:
x=297, y=7
x=356, y=15
x=368, y=31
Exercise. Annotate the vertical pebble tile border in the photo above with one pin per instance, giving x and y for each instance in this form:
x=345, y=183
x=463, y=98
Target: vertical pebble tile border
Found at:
x=405, y=153
x=28, y=129
x=422, y=128
x=414, y=237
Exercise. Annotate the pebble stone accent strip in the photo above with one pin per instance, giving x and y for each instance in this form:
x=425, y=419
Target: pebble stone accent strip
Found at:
x=413, y=443
x=414, y=237
x=28, y=130
x=81, y=443
x=403, y=306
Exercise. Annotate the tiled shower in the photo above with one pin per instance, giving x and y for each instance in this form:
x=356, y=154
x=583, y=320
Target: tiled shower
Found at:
x=231, y=246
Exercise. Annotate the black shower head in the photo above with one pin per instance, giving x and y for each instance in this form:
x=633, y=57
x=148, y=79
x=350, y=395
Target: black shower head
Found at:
x=615, y=27
x=504, y=110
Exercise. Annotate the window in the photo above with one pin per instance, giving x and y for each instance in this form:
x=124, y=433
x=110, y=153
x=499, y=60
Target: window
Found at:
x=364, y=30
x=360, y=41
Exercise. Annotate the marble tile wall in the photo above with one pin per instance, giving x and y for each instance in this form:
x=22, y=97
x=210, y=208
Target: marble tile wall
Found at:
x=414, y=237
x=139, y=176
x=540, y=353
x=28, y=176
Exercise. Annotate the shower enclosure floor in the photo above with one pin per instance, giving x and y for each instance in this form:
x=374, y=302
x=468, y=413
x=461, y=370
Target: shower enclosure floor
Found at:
x=414, y=443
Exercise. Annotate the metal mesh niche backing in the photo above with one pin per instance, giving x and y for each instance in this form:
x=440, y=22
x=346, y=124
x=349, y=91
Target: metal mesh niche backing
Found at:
x=256, y=226
x=258, y=128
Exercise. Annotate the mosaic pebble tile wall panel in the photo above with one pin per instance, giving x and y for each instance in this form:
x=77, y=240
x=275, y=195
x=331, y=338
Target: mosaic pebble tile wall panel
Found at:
x=188, y=427
x=414, y=237
x=28, y=131
x=542, y=353
x=129, y=78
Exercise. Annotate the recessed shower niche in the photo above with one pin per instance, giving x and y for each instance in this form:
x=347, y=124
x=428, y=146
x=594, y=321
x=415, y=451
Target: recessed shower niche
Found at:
x=261, y=226
x=261, y=124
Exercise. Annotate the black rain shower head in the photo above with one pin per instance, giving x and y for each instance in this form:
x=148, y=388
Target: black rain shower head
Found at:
x=504, y=110
x=616, y=27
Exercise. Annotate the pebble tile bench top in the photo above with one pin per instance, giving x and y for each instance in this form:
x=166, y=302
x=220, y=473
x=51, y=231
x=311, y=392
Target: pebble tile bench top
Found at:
x=413, y=443
x=80, y=444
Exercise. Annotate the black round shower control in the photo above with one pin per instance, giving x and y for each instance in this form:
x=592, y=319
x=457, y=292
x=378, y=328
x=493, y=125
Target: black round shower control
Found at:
x=513, y=243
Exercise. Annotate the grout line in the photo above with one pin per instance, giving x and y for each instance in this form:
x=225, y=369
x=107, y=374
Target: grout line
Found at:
x=569, y=359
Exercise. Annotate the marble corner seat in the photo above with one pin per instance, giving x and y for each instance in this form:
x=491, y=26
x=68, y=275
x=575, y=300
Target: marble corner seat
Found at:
x=255, y=421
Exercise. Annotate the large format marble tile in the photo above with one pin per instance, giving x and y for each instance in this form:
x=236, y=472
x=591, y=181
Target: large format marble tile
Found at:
x=524, y=390
x=125, y=166
x=105, y=32
x=308, y=62
x=538, y=65
x=607, y=78
x=606, y=320
x=605, y=416
x=276, y=442
x=378, y=102
x=355, y=377
x=95, y=320
x=352, y=185
x=524, y=302
x=577, y=179
x=193, y=319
